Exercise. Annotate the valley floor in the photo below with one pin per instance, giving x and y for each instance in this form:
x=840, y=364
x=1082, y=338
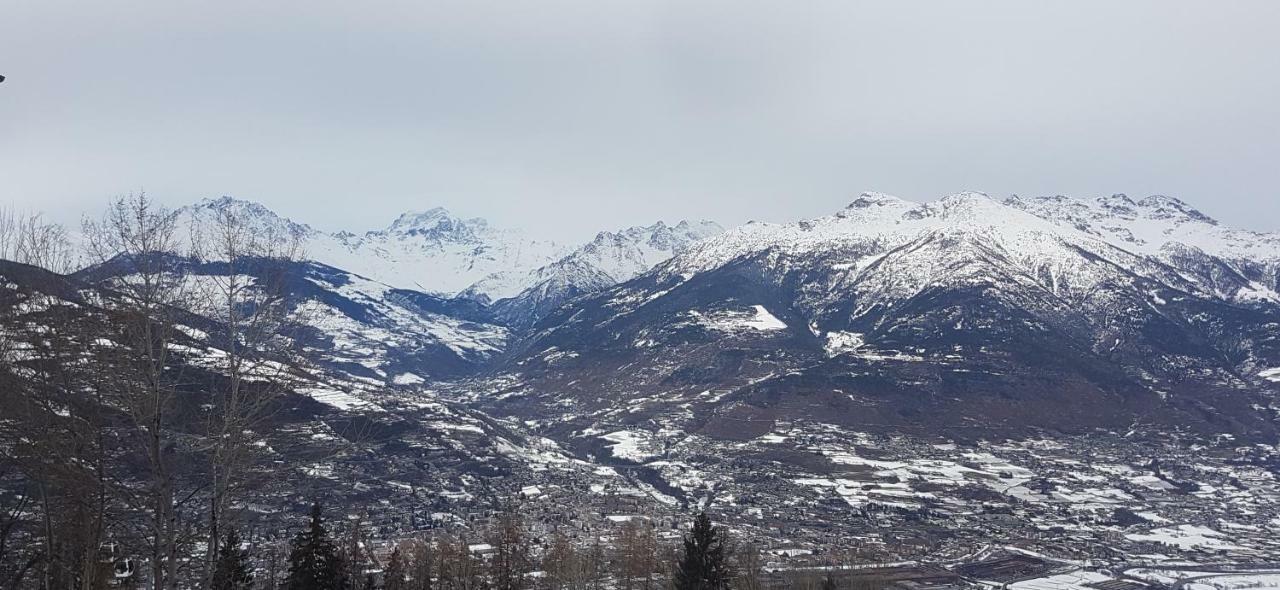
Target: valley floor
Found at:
x=1098, y=511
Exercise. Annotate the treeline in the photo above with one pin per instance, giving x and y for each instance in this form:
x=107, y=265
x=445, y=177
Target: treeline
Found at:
x=504, y=558
x=126, y=449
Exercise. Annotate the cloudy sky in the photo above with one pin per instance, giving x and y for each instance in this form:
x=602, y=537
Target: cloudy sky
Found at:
x=571, y=116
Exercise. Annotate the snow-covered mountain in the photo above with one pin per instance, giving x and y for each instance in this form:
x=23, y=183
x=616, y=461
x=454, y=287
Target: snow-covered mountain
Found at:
x=430, y=250
x=433, y=251
x=357, y=329
x=1117, y=295
x=367, y=350
x=609, y=259
x=944, y=312
x=767, y=369
x=1237, y=265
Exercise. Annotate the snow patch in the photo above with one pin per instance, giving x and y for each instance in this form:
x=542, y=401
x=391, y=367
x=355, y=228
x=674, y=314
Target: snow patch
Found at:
x=408, y=379
x=758, y=319
x=1185, y=536
x=630, y=445
x=841, y=342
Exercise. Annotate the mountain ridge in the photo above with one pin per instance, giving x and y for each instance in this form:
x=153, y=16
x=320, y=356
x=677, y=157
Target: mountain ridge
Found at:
x=432, y=250
x=908, y=291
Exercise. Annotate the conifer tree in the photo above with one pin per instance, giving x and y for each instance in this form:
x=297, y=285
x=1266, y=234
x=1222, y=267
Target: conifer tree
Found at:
x=314, y=563
x=703, y=565
x=231, y=569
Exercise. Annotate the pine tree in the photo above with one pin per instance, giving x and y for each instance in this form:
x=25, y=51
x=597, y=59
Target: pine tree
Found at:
x=231, y=570
x=703, y=565
x=314, y=562
x=394, y=576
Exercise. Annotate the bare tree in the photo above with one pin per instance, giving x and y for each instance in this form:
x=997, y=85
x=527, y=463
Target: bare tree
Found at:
x=568, y=567
x=27, y=238
x=595, y=563
x=457, y=567
x=15, y=561
x=277, y=563
x=396, y=575
x=636, y=554
x=244, y=291
x=747, y=567
x=511, y=560
x=50, y=384
x=356, y=557
x=421, y=564
x=560, y=563
x=133, y=243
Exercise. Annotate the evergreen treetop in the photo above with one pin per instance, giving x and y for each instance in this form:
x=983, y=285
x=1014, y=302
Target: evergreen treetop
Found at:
x=703, y=565
x=231, y=570
x=313, y=562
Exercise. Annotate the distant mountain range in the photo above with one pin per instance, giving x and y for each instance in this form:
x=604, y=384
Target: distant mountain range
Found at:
x=434, y=252
x=963, y=314
x=677, y=367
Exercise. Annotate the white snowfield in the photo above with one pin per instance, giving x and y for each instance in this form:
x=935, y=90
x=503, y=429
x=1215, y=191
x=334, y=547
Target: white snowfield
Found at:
x=338, y=399
x=890, y=248
x=757, y=318
x=1077, y=580
x=615, y=257
x=840, y=342
x=1204, y=579
x=435, y=252
x=1185, y=536
x=1152, y=224
x=464, y=338
x=422, y=250
x=632, y=445
x=1236, y=582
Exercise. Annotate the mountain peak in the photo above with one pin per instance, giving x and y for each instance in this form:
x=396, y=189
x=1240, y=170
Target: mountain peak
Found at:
x=250, y=212
x=1164, y=207
x=970, y=205
x=227, y=202
x=420, y=219
x=874, y=199
x=967, y=200
x=435, y=224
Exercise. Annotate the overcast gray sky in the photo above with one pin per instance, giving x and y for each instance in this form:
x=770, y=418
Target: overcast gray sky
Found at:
x=572, y=116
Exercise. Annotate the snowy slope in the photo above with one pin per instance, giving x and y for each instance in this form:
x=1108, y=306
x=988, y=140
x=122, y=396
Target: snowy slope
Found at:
x=949, y=309
x=429, y=250
x=435, y=252
x=893, y=249
x=1236, y=265
x=625, y=254
x=1148, y=225
x=392, y=335
x=608, y=259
